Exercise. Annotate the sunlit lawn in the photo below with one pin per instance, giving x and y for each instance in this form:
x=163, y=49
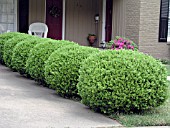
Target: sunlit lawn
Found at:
x=157, y=117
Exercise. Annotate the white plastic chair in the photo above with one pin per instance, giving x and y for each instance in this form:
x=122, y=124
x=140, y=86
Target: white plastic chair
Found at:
x=38, y=29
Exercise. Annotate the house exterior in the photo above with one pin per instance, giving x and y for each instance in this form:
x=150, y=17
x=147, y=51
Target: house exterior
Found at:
x=143, y=21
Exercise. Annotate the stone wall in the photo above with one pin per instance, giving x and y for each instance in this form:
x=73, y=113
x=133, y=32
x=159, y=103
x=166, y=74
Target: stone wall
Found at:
x=132, y=19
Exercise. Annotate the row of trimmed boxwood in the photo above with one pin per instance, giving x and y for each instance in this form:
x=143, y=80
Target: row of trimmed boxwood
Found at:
x=107, y=81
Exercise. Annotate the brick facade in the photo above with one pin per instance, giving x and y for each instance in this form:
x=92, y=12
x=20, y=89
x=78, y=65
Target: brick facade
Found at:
x=142, y=26
x=149, y=30
x=132, y=19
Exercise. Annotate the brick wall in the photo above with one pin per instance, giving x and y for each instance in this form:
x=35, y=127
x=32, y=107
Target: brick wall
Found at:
x=149, y=30
x=132, y=19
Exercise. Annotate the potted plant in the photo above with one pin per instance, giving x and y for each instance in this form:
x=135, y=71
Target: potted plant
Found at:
x=91, y=38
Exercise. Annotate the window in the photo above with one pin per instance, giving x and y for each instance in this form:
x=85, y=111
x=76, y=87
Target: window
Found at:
x=164, y=26
x=8, y=15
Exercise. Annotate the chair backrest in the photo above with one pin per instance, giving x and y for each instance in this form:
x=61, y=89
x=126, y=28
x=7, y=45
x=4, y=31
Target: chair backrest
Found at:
x=38, y=29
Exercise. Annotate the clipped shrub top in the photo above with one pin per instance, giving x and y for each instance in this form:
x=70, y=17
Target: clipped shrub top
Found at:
x=21, y=53
x=3, y=39
x=10, y=45
x=39, y=54
x=123, y=80
x=61, y=69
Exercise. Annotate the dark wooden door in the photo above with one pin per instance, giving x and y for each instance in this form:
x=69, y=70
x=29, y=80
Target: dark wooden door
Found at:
x=54, y=18
x=23, y=15
x=109, y=8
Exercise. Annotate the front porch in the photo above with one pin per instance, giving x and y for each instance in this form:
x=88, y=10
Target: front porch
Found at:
x=74, y=19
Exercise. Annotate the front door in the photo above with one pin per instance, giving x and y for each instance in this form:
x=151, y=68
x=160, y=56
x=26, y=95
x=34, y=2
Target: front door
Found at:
x=54, y=18
x=23, y=15
x=109, y=7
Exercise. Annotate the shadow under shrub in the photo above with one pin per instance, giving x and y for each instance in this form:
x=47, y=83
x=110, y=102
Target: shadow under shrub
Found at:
x=39, y=55
x=61, y=69
x=123, y=80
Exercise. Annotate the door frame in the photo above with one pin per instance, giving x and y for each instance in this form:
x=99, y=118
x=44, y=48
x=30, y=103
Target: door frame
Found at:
x=109, y=15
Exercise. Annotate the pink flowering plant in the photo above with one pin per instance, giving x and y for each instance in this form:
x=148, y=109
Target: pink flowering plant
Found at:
x=123, y=43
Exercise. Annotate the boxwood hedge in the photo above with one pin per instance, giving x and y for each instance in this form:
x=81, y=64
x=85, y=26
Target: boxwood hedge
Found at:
x=39, y=54
x=3, y=39
x=21, y=53
x=61, y=70
x=10, y=45
x=125, y=81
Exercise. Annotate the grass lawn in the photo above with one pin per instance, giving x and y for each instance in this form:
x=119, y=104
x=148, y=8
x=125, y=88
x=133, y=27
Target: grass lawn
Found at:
x=157, y=117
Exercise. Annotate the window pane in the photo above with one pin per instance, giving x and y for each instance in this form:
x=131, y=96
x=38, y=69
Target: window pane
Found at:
x=7, y=15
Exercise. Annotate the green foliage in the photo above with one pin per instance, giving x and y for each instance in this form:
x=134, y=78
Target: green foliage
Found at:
x=10, y=45
x=39, y=54
x=159, y=116
x=165, y=61
x=123, y=80
x=3, y=39
x=21, y=53
x=61, y=70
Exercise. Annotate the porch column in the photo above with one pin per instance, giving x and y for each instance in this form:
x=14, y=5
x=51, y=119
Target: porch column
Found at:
x=63, y=24
x=104, y=22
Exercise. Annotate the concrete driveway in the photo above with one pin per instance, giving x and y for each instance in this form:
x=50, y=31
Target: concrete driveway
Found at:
x=24, y=104
x=168, y=78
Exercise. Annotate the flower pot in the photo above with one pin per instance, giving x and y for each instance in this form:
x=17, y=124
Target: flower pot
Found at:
x=91, y=39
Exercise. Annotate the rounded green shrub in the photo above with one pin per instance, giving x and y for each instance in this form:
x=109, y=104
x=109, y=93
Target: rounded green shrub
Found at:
x=10, y=45
x=61, y=70
x=124, y=81
x=39, y=55
x=21, y=53
x=3, y=39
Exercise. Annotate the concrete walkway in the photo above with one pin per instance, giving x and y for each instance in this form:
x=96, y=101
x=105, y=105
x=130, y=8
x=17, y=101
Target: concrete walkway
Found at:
x=168, y=78
x=24, y=104
x=143, y=127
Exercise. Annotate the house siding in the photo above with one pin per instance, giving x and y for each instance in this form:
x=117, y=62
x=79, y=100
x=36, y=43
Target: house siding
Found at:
x=119, y=18
x=80, y=20
x=149, y=30
x=37, y=12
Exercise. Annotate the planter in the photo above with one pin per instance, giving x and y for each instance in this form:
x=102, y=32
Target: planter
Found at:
x=91, y=39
